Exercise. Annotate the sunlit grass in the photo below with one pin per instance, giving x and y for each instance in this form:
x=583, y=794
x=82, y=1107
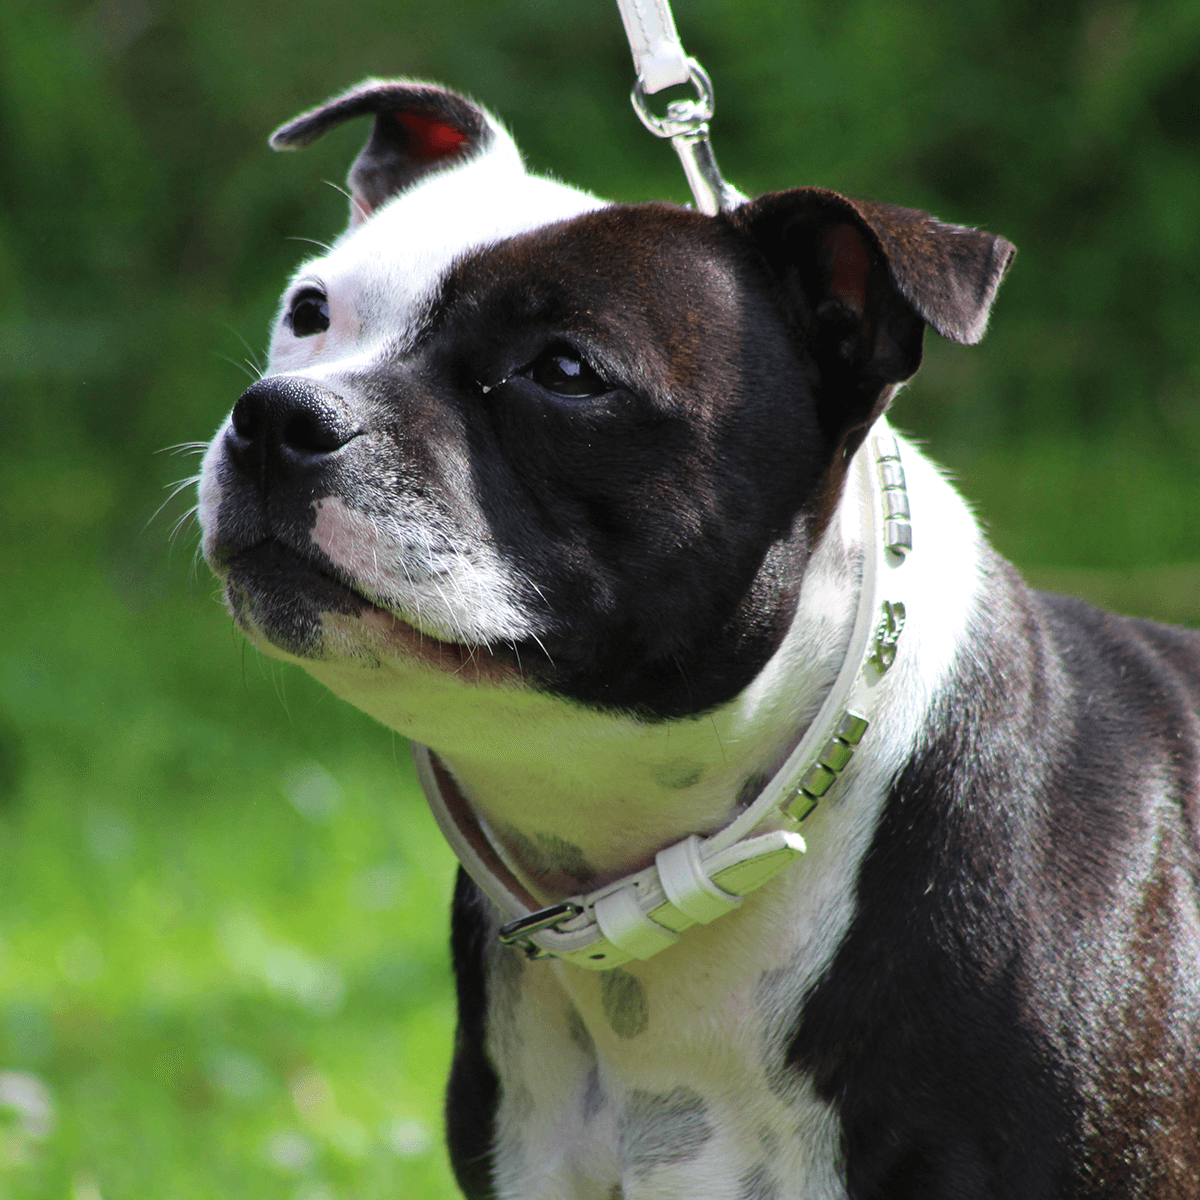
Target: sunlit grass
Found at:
x=223, y=913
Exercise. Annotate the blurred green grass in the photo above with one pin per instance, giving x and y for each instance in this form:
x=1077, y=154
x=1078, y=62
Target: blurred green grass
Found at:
x=223, y=907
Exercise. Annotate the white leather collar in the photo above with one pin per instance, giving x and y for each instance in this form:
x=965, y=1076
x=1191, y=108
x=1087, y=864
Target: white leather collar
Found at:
x=699, y=878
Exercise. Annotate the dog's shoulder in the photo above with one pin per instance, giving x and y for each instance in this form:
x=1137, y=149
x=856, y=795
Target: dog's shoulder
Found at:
x=1028, y=916
x=1147, y=654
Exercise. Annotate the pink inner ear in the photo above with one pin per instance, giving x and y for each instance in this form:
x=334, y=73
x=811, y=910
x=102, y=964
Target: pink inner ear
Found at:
x=849, y=265
x=431, y=138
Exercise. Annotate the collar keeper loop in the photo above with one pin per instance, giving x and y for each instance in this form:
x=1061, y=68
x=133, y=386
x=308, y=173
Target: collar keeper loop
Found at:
x=687, y=884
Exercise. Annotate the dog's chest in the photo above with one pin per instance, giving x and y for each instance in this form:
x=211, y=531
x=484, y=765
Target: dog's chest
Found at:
x=669, y=1078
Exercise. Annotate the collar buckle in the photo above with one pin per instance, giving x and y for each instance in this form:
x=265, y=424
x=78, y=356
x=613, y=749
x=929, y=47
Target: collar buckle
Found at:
x=520, y=932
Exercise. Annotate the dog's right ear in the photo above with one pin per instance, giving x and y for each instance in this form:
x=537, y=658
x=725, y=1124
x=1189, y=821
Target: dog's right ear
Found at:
x=419, y=129
x=861, y=280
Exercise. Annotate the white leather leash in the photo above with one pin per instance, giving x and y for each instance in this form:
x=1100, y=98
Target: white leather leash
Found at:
x=657, y=51
x=660, y=63
x=699, y=878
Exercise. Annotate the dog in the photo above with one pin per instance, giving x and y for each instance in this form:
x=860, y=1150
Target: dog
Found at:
x=594, y=502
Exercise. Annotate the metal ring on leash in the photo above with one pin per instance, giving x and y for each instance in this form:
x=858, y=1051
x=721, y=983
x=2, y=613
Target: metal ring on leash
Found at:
x=686, y=121
x=683, y=116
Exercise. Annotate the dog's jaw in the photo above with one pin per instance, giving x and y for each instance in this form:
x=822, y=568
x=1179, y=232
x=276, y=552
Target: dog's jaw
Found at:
x=581, y=796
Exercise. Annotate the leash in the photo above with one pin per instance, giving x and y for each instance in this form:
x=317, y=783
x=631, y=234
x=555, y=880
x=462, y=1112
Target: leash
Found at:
x=699, y=879
x=660, y=62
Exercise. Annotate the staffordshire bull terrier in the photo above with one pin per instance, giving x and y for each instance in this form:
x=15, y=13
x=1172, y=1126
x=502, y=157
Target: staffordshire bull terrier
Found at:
x=811, y=854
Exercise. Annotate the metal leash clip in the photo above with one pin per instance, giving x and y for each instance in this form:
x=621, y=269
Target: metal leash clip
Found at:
x=660, y=62
x=686, y=124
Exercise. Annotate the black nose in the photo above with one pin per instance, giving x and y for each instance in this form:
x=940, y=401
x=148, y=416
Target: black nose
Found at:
x=283, y=427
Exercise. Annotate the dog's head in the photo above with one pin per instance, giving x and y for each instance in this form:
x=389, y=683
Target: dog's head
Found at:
x=514, y=436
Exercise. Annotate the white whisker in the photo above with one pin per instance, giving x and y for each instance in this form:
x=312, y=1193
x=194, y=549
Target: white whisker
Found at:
x=245, y=365
x=187, y=516
x=259, y=369
x=180, y=486
x=313, y=241
x=337, y=187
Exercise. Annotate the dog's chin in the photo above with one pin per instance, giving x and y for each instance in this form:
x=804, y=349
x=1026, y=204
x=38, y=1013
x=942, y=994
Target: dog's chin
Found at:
x=280, y=601
x=291, y=609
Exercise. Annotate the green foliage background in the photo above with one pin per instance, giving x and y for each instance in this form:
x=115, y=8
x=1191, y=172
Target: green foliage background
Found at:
x=222, y=906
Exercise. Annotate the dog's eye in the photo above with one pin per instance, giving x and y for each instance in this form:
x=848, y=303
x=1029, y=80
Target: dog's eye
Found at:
x=561, y=371
x=309, y=314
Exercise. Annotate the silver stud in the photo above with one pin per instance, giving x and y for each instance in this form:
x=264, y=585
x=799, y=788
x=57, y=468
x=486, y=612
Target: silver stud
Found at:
x=897, y=536
x=851, y=728
x=818, y=780
x=801, y=806
x=835, y=755
x=886, y=447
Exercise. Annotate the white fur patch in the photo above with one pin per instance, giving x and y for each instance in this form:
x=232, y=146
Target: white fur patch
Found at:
x=403, y=563
x=380, y=278
x=381, y=275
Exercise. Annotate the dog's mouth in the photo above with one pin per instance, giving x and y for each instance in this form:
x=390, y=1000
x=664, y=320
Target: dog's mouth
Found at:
x=283, y=596
x=305, y=608
x=274, y=570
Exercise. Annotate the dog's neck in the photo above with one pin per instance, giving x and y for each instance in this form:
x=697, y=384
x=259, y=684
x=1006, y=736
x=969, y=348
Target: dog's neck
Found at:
x=575, y=798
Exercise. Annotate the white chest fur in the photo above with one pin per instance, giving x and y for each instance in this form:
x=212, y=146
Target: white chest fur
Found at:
x=663, y=1081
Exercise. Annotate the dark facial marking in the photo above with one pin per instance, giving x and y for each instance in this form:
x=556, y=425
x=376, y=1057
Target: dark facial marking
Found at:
x=624, y=1001
x=646, y=462
x=657, y=1130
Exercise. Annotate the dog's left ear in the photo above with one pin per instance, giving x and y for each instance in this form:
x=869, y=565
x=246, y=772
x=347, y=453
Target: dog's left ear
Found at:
x=861, y=280
x=419, y=129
